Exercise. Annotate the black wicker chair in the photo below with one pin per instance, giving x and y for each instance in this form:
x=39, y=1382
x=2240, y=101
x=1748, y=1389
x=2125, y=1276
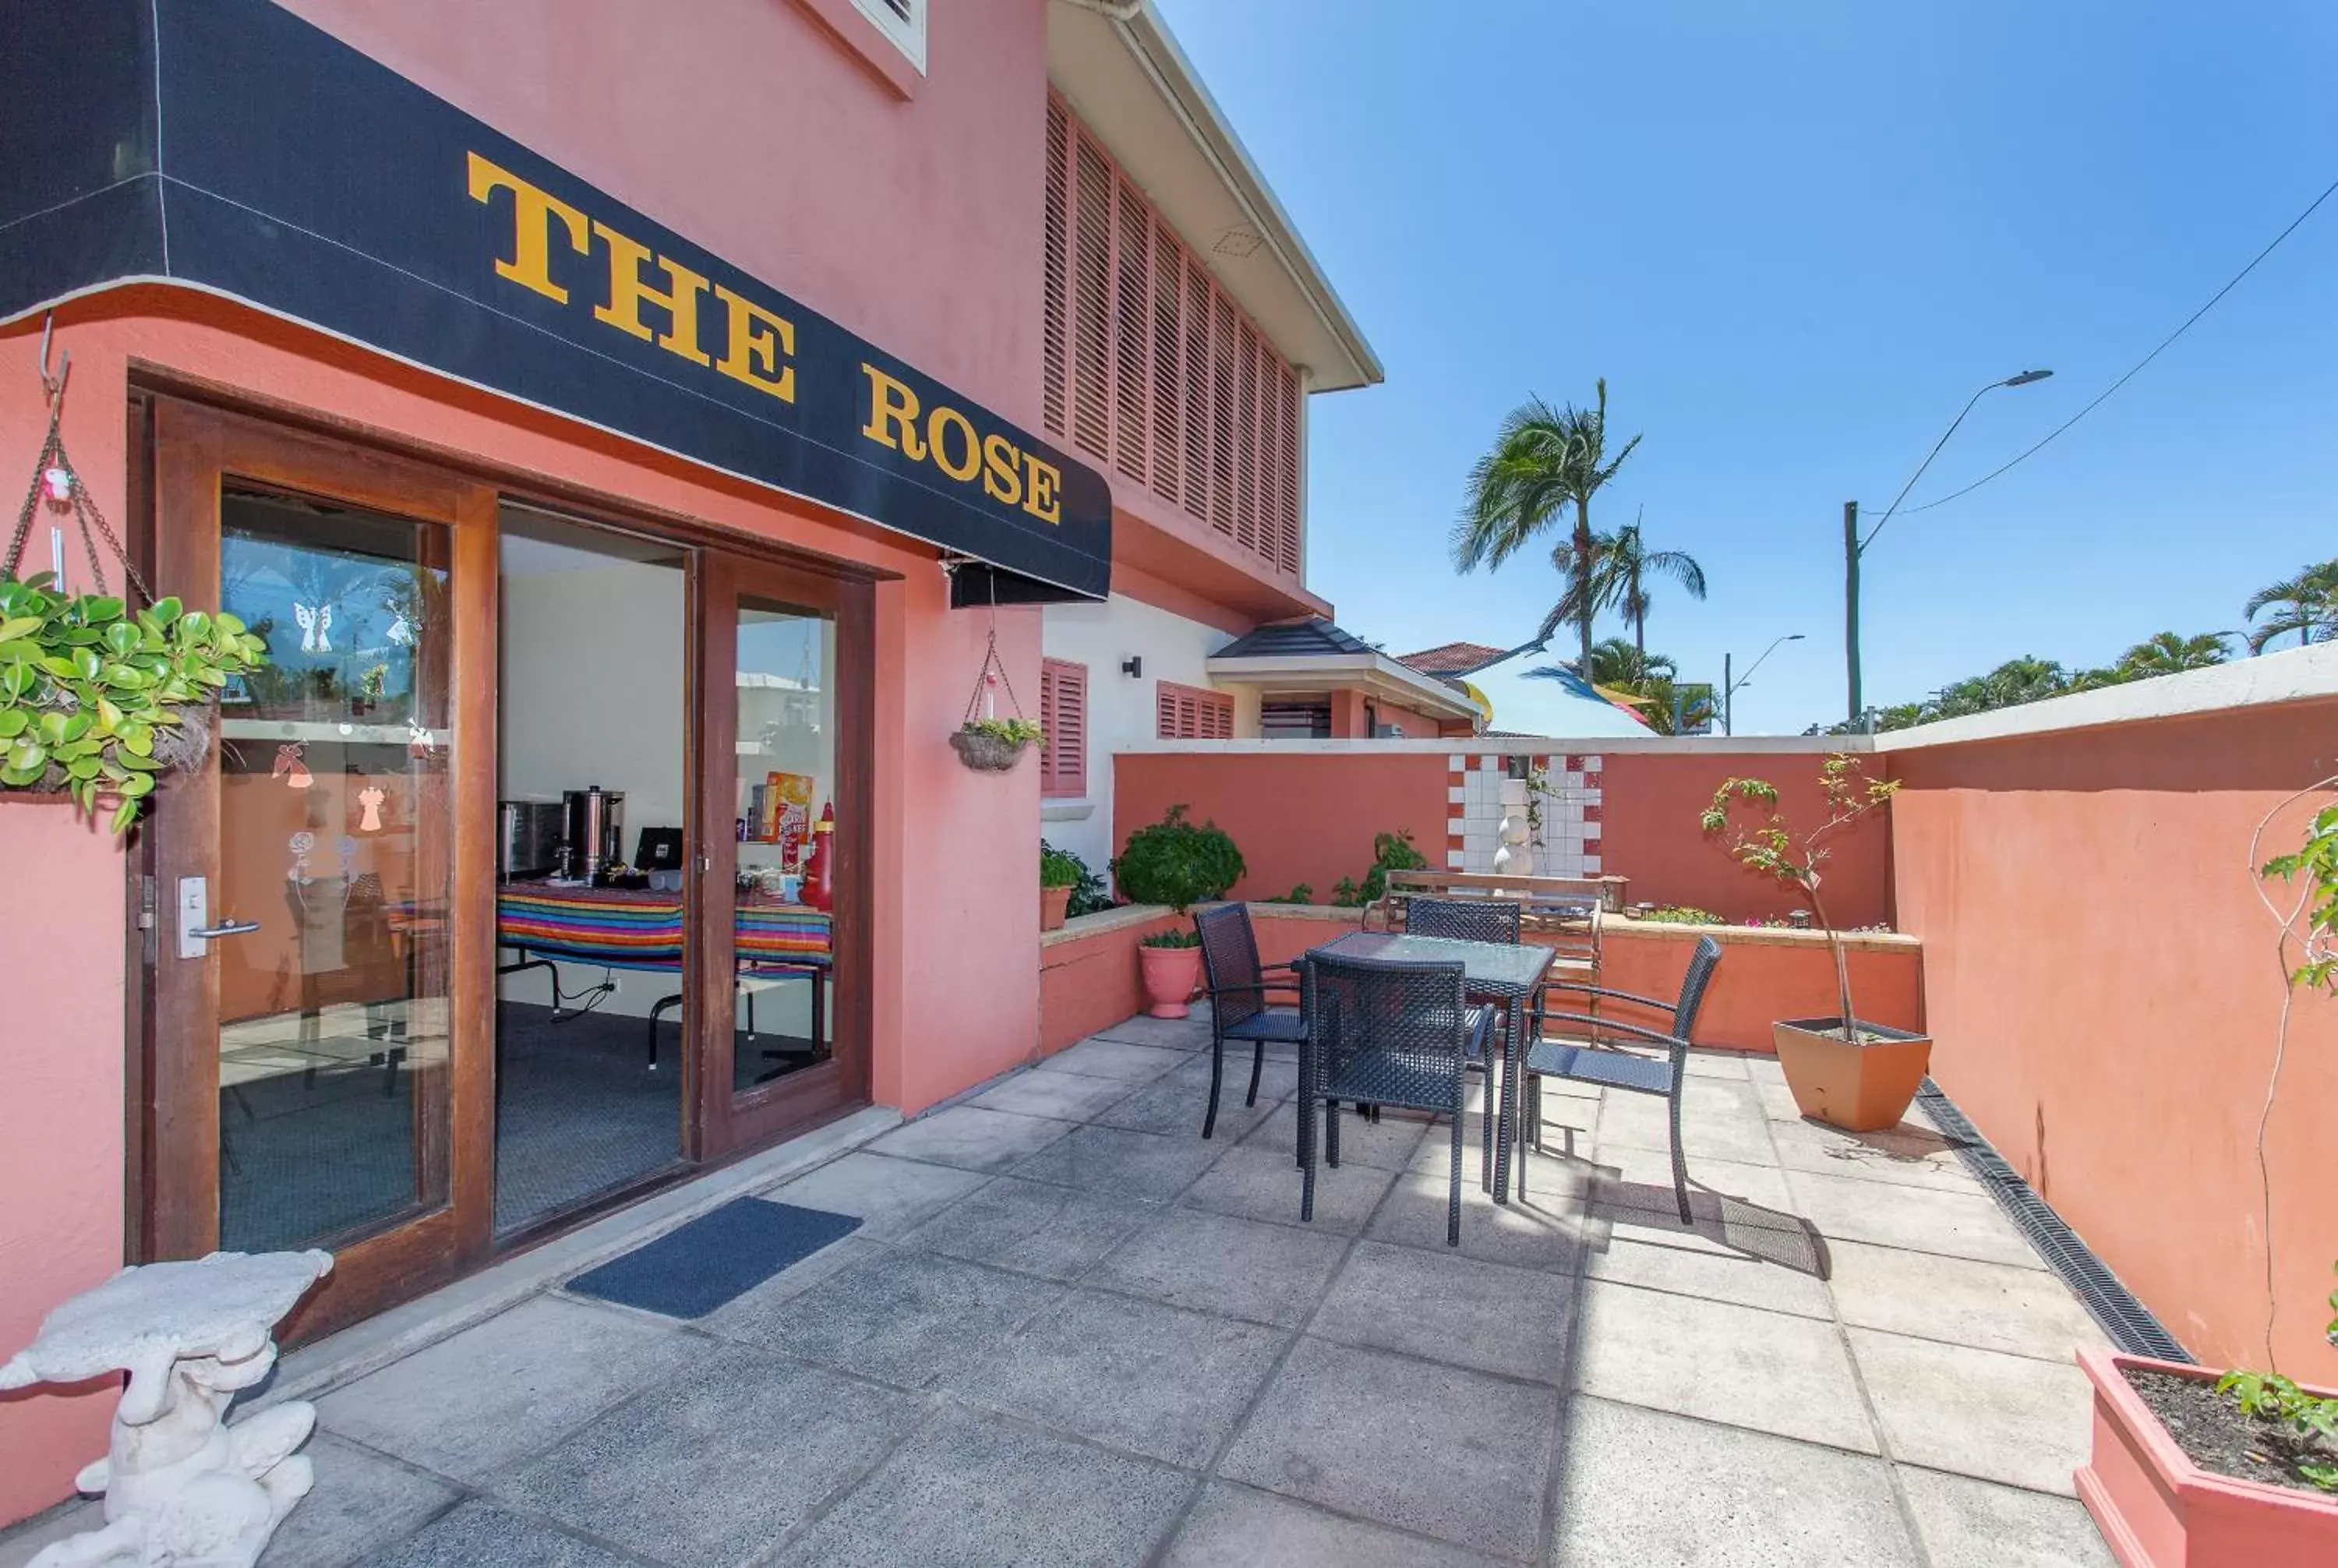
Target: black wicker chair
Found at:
x=1386, y=1034
x=1239, y=989
x=1464, y=919
x=1610, y=1068
x=1470, y=920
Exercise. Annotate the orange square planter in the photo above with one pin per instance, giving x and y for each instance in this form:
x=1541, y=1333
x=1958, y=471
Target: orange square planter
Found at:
x=1055, y=902
x=2158, y=1510
x=1860, y=1088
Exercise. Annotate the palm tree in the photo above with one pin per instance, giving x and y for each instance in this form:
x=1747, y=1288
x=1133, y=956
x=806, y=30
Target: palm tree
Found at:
x=2307, y=604
x=1543, y=459
x=2165, y=654
x=1634, y=562
x=1615, y=662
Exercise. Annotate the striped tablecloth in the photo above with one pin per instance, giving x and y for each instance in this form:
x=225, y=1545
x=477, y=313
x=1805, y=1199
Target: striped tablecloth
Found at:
x=642, y=930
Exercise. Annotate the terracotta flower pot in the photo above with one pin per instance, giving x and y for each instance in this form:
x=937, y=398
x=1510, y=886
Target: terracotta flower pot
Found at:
x=1055, y=902
x=2158, y=1510
x=1172, y=976
x=1860, y=1088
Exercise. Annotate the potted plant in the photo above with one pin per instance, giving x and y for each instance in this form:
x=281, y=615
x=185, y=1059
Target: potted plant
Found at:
x=2196, y=1468
x=98, y=701
x=1176, y=862
x=1060, y=875
x=1845, y=1072
x=994, y=745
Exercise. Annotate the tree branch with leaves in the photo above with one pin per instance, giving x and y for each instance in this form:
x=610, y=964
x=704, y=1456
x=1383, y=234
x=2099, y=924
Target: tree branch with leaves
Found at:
x=1771, y=848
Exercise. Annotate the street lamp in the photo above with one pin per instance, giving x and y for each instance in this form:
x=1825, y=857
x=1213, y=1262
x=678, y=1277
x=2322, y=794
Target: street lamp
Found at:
x=1729, y=688
x=1853, y=546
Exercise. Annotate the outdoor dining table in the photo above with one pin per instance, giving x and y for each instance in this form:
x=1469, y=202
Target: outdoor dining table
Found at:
x=1505, y=974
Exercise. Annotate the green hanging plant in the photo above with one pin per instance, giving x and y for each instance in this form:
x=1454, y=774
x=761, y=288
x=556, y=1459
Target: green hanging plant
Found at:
x=98, y=699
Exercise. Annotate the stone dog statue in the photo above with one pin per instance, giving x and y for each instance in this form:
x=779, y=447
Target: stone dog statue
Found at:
x=182, y=1488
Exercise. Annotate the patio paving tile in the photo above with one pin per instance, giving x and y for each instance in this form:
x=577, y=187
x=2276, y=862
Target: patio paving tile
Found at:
x=906, y=1318
x=1643, y=1487
x=1969, y=1523
x=1978, y=1412
x=971, y=1138
x=977, y=1491
x=1711, y=1062
x=1643, y=1179
x=1066, y=1096
x=1175, y=1104
x=1907, y=1155
x=1387, y=1144
x=504, y=1390
x=1178, y=1381
x=1628, y=1121
x=889, y=1196
x=1191, y=1032
x=789, y=1283
x=1954, y=1224
x=1535, y=1234
x=1259, y=1183
x=1278, y=1077
x=362, y=1502
x=1721, y=1362
x=1987, y=1306
x=1101, y=1056
x=1217, y=1263
x=1032, y=1228
x=481, y=1535
x=1439, y=1450
x=779, y=1437
x=1236, y=1528
x=1690, y=1266
x=1513, y=1322
x=1148, y=1165
x=21, y=1543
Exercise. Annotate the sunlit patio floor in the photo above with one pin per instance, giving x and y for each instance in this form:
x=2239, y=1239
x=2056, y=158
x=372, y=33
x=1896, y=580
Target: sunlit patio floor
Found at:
x=1072, y=1332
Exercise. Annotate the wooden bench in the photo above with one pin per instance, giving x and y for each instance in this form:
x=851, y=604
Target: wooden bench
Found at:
x=1565, y=912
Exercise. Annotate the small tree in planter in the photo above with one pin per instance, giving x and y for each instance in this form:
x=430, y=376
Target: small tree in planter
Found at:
x=1061, y=875
x=1174, y=862
x=1856, y=1076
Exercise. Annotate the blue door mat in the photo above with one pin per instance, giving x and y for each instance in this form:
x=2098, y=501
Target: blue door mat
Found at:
x=716, y=1258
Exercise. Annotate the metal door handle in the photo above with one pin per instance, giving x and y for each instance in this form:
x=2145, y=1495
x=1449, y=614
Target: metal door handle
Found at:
x=224, y=928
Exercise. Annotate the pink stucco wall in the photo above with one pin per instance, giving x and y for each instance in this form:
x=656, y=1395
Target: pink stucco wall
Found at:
x=913, y=220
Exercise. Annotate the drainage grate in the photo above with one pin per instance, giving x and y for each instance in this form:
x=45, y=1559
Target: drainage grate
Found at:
x=2130, y=1325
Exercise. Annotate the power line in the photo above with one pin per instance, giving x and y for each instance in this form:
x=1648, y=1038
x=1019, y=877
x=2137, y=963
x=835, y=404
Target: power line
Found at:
x=2171, y=338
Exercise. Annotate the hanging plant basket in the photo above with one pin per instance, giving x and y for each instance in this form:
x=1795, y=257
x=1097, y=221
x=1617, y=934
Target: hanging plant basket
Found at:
x=100, y=697
x=994, y=748
x=985, y=743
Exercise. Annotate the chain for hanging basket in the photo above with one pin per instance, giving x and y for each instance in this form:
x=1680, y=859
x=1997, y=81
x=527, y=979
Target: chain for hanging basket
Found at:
x=53, y=474
x=989, y=750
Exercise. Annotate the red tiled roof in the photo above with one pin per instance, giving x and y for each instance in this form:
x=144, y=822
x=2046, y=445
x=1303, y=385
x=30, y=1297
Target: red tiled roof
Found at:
x=1448, y=658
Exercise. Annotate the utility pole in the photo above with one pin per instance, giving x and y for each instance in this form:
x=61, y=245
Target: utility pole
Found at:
x=1850, y=602
x=1728, y=699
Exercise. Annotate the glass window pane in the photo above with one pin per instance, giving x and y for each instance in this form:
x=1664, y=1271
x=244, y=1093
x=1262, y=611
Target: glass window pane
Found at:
x=334, y=823
x=784, y=798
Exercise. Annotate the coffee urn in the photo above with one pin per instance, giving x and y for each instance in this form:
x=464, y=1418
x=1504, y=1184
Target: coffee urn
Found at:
x=596, y=829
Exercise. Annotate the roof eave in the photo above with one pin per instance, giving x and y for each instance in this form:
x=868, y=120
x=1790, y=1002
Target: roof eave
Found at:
x=1147, y=38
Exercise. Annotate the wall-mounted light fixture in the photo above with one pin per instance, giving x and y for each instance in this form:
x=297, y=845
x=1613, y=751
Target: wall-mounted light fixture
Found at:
x=1133, y=666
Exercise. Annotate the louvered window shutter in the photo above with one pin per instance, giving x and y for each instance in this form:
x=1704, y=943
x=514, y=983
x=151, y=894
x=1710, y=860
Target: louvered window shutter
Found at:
x=1189, y=713
x=1063, y=711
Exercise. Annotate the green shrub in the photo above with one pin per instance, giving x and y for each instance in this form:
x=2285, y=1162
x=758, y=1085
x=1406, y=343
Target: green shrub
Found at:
x=1391, y=852
x=1172, y=862
x=1061, y=869
x=1178, y=938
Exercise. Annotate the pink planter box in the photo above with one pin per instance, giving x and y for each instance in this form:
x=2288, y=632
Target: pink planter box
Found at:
x=2158, y=1510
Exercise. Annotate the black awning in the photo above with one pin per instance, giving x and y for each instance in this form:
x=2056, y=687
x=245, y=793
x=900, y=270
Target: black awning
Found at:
x=230, y=146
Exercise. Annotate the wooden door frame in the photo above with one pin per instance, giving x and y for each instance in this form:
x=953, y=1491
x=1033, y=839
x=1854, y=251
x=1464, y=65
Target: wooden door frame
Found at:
x=197, y=450
x=730, y=1121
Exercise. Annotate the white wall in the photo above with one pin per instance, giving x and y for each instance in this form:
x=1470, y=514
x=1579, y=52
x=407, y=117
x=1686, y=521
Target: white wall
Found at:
x=1122, y=710
x=593, y=693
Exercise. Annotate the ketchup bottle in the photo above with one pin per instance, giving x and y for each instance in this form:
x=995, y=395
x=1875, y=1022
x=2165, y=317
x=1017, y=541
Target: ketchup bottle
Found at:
x=819, y=868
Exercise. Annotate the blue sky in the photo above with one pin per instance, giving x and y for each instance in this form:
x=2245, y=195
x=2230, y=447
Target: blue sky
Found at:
x=1795, y=237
